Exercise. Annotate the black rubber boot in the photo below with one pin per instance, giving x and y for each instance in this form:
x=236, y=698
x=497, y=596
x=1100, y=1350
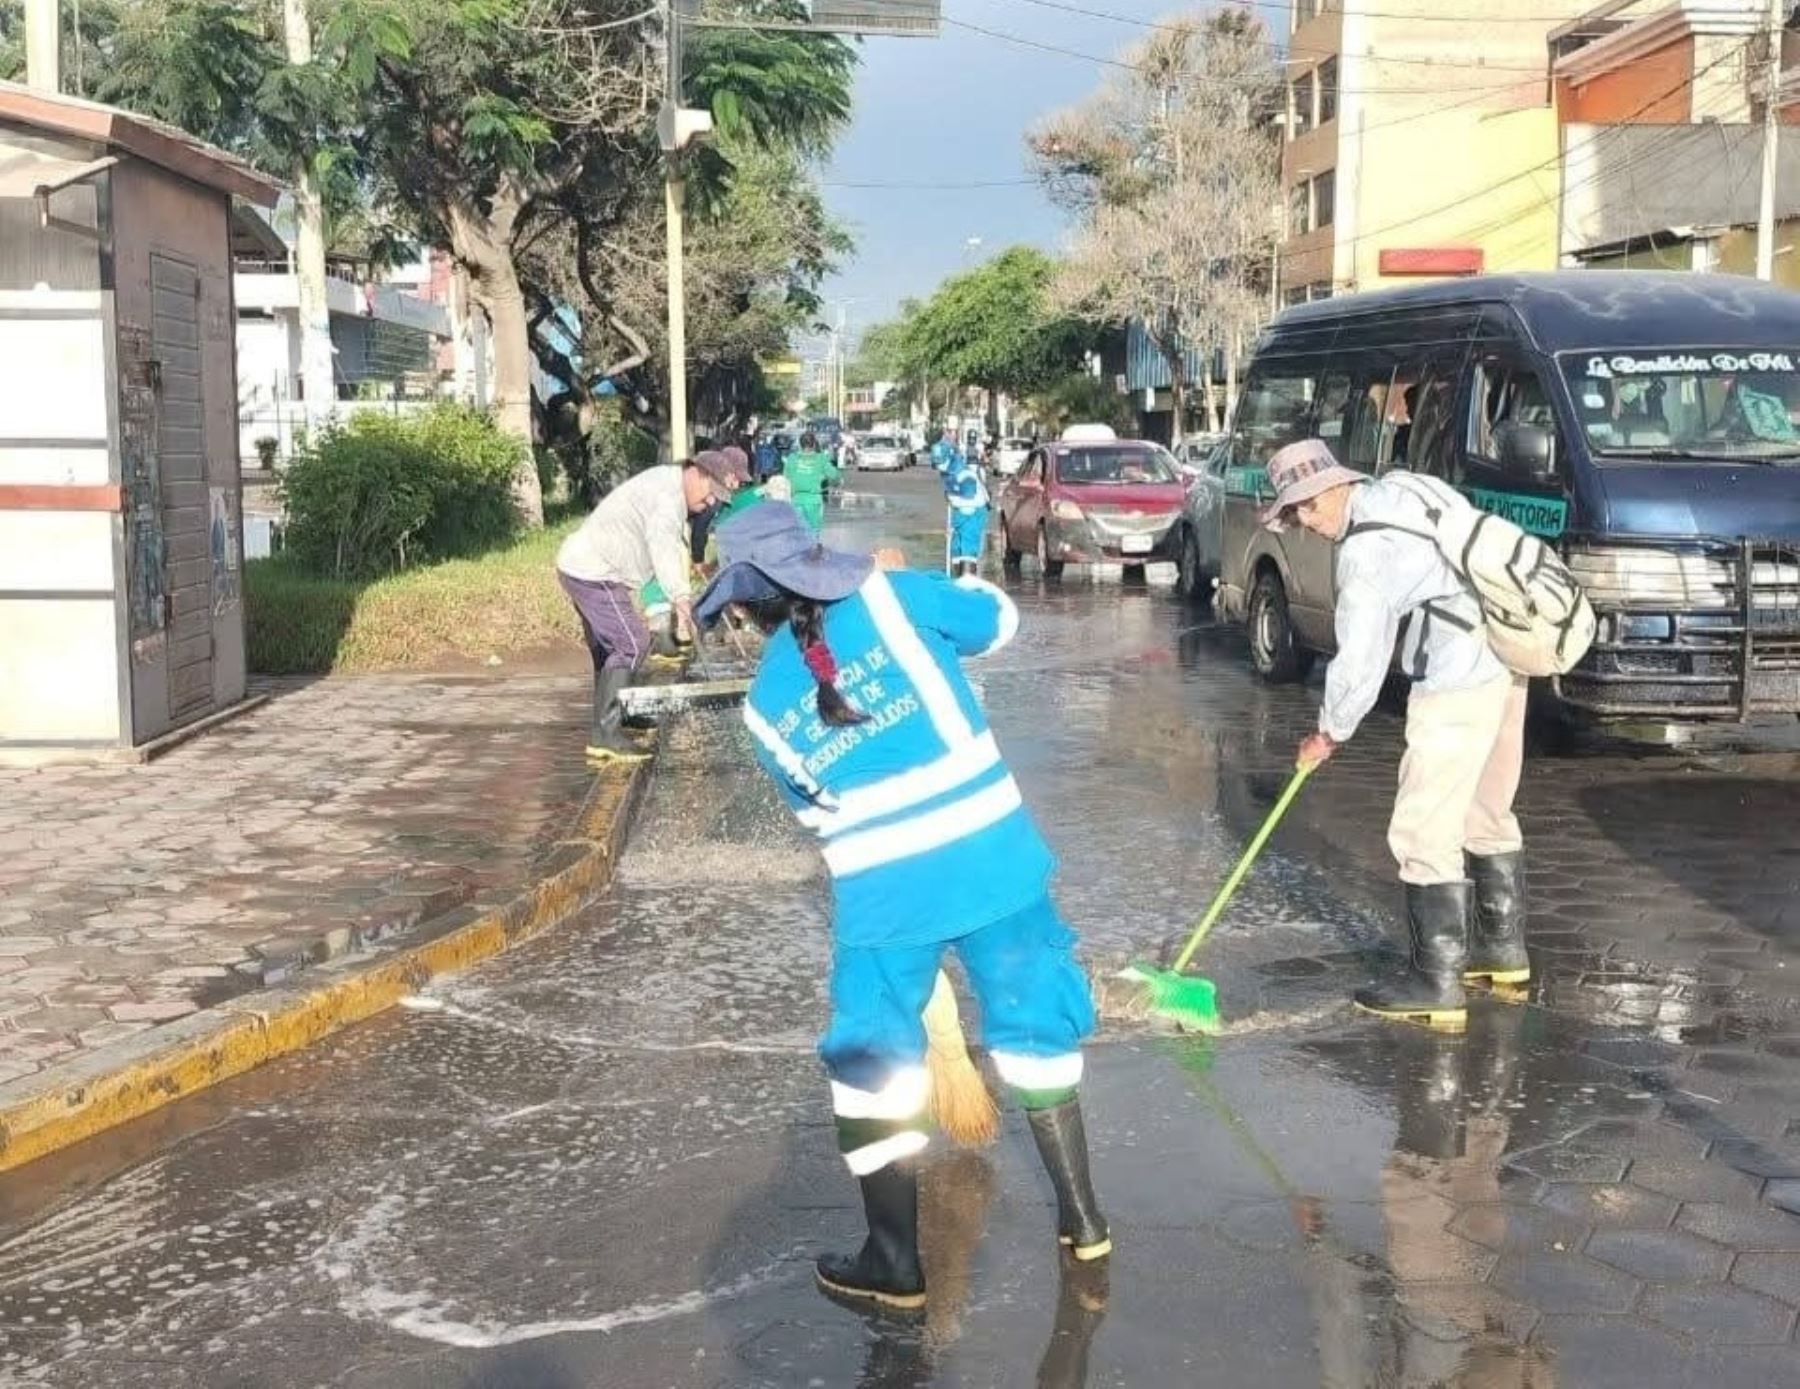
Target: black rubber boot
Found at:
x=1431, y=990
x=607, y=741
x=1497, y=924
x=1062, y=1144
x=885, y=1271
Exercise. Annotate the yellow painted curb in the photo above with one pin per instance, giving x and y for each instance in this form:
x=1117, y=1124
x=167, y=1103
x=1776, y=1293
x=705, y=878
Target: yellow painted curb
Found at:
x=39, y=1114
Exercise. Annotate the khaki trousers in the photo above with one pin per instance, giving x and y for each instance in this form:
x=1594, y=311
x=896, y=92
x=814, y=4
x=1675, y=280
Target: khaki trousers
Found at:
x=1464, y=753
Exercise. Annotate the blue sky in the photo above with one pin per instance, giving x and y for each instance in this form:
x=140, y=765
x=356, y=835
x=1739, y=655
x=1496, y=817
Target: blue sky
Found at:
x=955, y=109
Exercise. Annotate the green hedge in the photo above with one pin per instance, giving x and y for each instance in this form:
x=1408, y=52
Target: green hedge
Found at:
x=377, y=493
x=456, y=614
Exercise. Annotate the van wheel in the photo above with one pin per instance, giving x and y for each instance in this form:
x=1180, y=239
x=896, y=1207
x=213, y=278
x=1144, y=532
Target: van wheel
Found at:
x=1190, y=579
x=1010, y=554
x=1274, y=649
x=1050, y=568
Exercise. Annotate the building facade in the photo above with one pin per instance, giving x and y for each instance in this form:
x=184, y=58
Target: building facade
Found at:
x=1661, y=115
x=1420, y=140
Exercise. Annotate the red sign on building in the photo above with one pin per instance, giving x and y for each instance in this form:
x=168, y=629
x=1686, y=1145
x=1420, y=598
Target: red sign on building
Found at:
x=1432, y=260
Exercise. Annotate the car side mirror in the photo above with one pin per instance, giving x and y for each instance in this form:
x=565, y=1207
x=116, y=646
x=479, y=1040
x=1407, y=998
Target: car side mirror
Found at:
x=1527, y=452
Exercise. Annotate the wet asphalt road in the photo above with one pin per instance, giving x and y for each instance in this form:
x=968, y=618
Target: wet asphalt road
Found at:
x=606, y=1159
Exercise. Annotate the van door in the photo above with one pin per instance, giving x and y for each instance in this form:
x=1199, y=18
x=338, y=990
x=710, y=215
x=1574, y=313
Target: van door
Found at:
x=1512, y=459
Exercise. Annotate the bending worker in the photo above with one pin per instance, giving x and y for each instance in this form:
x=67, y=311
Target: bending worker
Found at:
x=809, y=472
x=1453, y=826
x=862, y=716
x=638, y=533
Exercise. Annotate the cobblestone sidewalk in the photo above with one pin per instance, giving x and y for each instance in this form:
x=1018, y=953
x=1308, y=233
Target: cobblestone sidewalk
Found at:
x=338, y=812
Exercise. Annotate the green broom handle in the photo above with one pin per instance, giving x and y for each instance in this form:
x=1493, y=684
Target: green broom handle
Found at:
x=1219, y=903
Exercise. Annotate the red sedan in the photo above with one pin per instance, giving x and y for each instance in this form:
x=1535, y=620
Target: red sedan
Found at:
x=1084, y=501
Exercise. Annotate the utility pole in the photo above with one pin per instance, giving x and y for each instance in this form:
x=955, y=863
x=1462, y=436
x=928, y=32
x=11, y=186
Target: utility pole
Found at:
x=1765, y=221
x=318, y=384
x=675, y=128
x=43, y=44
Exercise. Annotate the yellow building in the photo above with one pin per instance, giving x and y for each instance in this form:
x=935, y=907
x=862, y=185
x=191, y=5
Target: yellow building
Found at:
x=1418, y=143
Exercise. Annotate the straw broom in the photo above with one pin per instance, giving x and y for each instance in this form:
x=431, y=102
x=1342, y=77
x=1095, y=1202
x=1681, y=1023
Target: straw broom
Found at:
x=959, y=1097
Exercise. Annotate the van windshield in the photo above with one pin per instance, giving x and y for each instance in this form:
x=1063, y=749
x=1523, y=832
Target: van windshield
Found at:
x=1688, y=403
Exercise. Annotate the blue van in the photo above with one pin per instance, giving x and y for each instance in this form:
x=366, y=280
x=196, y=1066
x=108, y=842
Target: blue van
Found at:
x=1647, y=422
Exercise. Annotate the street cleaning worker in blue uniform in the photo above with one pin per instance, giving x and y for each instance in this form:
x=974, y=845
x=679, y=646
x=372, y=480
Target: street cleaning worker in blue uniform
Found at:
x=968, y=496
x=861, y=714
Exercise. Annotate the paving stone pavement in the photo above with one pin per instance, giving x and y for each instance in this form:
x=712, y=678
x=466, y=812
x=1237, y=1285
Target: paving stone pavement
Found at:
x=338, y=812
x=1620, y=1160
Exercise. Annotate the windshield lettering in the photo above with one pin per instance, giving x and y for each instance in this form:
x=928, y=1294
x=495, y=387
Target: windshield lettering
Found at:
x=1723, y=404
x=1623, y=365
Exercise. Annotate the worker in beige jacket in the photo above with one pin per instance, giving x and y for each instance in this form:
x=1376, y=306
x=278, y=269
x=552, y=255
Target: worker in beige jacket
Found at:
x=639, y=532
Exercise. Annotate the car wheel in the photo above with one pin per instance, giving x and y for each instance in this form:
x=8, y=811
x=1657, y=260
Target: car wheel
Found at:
x=1275, y=650
x=1010, y=555
x=1190, y=577
x=1049, y=568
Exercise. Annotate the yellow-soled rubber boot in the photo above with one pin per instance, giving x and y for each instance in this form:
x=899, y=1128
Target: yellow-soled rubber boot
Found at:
x=1497, y=920
x=1430, y=993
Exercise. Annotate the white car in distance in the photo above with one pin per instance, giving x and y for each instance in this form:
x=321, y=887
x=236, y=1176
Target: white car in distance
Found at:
x=881, y=453
x=1011, y=456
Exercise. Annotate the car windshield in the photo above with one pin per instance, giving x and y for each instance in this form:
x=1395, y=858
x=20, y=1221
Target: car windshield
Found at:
x=1688, y=403
x=1085, y=466
x=879, y=441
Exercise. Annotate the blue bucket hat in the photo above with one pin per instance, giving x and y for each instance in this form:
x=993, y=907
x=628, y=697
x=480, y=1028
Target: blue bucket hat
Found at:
x=768, y=550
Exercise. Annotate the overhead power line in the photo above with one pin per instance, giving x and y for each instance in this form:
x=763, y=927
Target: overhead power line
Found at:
x=927, y=184
x=1429, y=13
x=1152, y=24
x=1021, y=41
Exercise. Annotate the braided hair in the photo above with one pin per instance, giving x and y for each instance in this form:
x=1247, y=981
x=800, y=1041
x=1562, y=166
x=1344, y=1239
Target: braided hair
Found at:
x=806, y=619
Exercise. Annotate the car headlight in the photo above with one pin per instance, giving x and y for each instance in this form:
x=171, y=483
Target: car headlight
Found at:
x=1065, y=510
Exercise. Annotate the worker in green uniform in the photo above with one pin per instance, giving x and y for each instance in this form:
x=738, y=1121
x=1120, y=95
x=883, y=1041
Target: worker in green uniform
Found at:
x=809, y=472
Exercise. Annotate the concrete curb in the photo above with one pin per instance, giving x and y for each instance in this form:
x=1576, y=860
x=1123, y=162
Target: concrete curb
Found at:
x=63, y=1105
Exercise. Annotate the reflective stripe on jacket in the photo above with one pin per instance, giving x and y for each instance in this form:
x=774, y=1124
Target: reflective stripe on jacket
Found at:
x=921, y=824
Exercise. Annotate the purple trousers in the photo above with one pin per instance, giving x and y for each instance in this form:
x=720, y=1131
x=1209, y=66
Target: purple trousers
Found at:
x=616, y=636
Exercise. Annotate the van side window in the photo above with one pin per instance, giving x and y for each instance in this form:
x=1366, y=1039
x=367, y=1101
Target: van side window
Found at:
x=1276, y=410
x=1379, y=424
x=1506, y=393
x=1427, y=443
x=1337, y=403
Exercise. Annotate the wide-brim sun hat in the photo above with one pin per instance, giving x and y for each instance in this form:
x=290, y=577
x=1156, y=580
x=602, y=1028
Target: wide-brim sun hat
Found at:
x=1298, y=473
x=769, y=550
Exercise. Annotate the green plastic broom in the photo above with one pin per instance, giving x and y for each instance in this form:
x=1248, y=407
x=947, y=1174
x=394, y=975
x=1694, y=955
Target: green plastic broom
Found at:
x=1191, y=1002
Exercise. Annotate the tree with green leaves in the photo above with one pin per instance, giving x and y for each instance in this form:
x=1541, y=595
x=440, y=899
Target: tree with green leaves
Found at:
x=993, y=327
x=493, y=128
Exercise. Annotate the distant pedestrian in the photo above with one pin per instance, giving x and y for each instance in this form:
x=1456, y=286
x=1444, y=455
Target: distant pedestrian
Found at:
x=767, y=456
x=1453, y=818
x=968, y=516
x=637, y=535
x=862, y=716
x=809, y=472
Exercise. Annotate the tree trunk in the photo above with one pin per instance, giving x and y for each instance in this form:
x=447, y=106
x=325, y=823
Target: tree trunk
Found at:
x=1233, y=345
x=1177, y=394
x=1211, y=396
x=482, y=243
x=318, y=386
